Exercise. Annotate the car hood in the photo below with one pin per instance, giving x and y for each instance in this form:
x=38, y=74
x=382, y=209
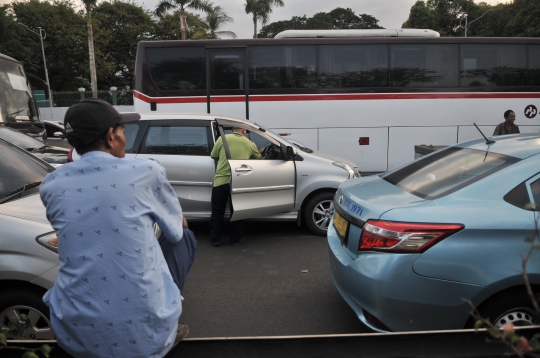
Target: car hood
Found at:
x=52, y=155
x=28, y=207
x=375, y=196
x=332, y=157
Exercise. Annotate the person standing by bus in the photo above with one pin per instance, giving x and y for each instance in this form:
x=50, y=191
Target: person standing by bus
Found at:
x=508, y=126
x=240, y=147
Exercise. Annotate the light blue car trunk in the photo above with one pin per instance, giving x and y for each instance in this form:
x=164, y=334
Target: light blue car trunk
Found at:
x=369, y=198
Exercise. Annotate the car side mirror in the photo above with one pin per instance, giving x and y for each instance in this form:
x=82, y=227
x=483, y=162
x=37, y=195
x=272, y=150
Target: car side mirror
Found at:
x=287, y=152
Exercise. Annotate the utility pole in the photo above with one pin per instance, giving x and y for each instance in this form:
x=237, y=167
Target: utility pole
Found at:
x=466, y=19
x=42, y=36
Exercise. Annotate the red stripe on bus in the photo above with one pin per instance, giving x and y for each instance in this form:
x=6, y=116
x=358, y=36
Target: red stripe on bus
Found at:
x=335, y=97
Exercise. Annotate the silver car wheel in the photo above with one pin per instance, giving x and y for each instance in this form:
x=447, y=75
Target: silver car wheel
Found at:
x=518, y=317
x=39, y=326
x=322, y=214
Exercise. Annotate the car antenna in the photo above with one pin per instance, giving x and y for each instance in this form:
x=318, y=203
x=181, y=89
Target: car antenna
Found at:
x=488, y=141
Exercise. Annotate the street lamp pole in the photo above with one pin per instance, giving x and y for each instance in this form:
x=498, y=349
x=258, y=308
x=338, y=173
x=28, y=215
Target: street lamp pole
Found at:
x=467, y=17
x=42, y=36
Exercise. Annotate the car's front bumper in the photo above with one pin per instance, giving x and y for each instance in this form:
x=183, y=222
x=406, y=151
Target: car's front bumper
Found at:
x=386, y=286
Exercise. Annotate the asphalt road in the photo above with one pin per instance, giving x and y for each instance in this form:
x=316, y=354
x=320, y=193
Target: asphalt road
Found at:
x=258, y=288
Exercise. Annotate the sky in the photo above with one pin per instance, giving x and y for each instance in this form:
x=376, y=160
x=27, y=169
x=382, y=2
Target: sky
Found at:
x=390, y=13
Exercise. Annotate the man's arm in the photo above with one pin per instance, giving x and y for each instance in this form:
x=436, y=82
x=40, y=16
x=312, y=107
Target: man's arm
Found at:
x=167, y=211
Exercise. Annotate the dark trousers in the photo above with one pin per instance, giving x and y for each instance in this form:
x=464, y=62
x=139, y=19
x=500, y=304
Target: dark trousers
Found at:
x=179, y=256
x=220, y=196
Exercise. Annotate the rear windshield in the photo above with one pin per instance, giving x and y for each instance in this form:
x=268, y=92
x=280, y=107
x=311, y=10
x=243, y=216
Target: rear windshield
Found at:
x=446, y=171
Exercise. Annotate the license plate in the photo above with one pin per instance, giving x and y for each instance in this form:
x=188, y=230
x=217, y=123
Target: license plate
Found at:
x=340, y=224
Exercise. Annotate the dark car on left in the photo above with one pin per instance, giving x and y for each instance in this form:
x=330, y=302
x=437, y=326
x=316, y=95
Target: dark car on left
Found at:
x=55, y=156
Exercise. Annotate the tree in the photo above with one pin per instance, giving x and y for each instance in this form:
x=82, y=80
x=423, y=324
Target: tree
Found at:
x=260, y=11
x=181, y=6
x=166, y=27
x=346, y=19
x=339, y=18
x=89, y=5
x=119, y=28
x=271, y=30
x=65, y=44
x=421, y=17
x=215, y=18
x=526, y=22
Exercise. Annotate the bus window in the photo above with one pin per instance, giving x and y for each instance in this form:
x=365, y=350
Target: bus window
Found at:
x=177, y=68
x=283, y=67
x=226, y=69
x=534, y=65
x=493, y=65
x=418, y=65
x=346, y=66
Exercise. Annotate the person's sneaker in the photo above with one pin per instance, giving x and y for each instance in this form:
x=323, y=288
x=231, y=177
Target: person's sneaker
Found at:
x=181, y=332
x=234, y=243
x=215, y=243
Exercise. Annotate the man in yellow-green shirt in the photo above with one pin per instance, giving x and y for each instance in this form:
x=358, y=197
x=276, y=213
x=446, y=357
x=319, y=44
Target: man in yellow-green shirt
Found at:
x=240, y=148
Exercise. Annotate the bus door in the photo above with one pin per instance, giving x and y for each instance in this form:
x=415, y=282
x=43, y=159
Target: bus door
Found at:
x=260, y=187
x=227, y=81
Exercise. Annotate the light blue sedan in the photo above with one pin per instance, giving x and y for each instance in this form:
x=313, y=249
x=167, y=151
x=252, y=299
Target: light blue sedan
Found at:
x=409, y=246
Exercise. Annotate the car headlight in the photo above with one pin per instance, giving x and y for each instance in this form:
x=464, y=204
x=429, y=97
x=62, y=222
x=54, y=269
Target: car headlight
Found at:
x=353, y=173
x=48, y=241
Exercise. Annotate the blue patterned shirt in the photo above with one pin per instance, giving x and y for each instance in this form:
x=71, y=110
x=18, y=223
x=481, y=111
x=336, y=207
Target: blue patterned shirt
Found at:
x=114, y=295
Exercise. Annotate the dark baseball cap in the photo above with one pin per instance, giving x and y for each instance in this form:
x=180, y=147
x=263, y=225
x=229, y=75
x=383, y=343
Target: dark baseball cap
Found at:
x=90, y=118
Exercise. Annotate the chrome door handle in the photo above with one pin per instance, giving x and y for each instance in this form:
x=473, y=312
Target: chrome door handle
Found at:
x=243, y=169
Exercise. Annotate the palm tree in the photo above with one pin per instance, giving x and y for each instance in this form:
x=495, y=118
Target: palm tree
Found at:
x=89, y=5
x=261, y=10
x=215, y=18
x=182, y=5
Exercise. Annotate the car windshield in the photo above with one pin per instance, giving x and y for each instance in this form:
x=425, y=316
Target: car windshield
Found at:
x=20, y=139
x=447, y=171
x=16, y=100
x=18, y=169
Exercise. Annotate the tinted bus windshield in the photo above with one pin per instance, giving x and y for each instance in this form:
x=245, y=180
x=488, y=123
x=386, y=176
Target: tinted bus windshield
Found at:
x=16, y=98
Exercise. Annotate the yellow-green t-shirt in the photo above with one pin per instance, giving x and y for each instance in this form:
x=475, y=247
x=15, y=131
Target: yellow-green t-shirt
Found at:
x=240, y=148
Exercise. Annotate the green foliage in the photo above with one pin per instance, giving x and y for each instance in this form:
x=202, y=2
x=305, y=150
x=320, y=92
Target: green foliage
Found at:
x=478, y=324
x=339, y=18
x=494, y=332
x=3, y=339
x=119, y=26
x=260, y=11
x=520, y=18
x=65, y=34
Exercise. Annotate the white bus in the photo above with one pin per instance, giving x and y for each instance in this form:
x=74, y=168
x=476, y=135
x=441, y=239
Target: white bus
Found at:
x=368, y=99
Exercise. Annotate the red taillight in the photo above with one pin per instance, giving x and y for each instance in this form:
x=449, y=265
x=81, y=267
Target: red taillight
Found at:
x=403, y=237
x=70, y=155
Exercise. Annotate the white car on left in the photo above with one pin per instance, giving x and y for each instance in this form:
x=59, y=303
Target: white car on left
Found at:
x=28, y=253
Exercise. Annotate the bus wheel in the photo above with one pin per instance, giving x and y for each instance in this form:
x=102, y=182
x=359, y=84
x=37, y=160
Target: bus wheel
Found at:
x=318, y=212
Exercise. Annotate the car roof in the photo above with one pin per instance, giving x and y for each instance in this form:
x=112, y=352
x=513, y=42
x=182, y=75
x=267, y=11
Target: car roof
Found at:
x=515, y=145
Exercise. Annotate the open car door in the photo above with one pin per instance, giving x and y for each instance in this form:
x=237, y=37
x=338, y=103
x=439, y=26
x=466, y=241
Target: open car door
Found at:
x=260, y=187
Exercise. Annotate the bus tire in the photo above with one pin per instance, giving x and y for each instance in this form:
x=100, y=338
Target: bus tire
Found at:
x=318, y=212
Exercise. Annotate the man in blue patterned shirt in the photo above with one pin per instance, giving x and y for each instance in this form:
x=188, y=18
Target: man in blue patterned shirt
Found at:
x=114, y=295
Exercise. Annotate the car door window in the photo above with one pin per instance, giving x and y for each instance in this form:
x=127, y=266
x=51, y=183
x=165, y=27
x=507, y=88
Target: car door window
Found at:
x=268, y=149
x=177, y=140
